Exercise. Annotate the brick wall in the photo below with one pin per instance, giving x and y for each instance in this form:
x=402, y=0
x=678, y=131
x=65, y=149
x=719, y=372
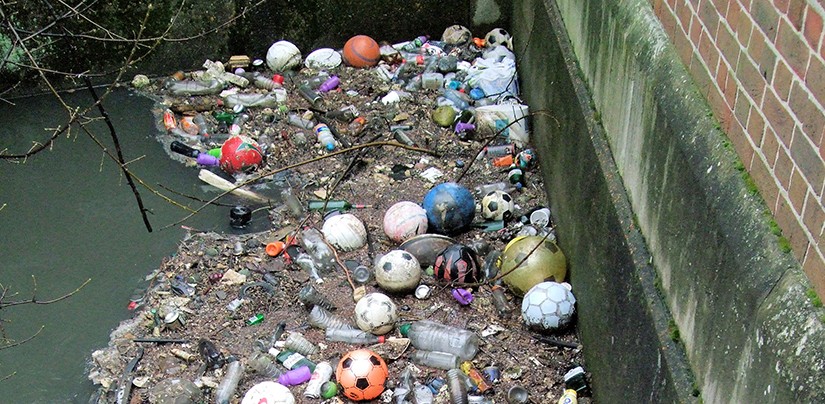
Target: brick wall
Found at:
x=761, y=66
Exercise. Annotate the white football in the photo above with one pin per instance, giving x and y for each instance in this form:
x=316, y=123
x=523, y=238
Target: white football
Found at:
x=497, y=205
x=548, y=305
x=376, y=313
x=345, y=231
x=398, y=271
x=283, y=56
x=268, y=392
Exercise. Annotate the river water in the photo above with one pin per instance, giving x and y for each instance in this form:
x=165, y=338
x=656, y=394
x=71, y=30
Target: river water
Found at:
x=68, y=216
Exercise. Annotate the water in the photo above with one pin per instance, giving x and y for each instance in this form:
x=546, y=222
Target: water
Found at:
x=70, y=216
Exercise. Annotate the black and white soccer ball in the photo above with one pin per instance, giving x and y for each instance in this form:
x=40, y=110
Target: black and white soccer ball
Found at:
x=497, y=205
x=499, y=36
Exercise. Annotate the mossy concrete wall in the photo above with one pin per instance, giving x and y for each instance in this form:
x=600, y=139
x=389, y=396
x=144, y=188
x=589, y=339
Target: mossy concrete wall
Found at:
x=665, y=239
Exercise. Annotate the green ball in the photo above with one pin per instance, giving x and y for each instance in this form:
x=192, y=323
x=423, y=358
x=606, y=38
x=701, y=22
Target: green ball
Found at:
x=328, y=390
x=444, y=116
x=546, y=263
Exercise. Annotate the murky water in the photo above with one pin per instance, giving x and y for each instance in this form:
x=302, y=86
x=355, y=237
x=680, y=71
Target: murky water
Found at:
x=70, y=216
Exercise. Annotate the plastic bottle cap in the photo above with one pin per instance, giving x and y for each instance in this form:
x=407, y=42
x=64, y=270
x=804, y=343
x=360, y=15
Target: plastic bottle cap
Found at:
x=330, y=146
x=275, y=248
x=404, y=329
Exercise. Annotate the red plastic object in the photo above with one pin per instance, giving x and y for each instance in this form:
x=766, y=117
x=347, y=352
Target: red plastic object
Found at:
x=240, y=153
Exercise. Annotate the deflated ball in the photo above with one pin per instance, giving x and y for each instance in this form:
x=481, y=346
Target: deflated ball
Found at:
x=283, y=56
x=497, y=205
x=345, y=231
x=546, y=262
x=404, y=220
x=457, y=263
x=376, y=313
x=398, y=271
x=456, y=35
x=450, y=208
x=548, y=306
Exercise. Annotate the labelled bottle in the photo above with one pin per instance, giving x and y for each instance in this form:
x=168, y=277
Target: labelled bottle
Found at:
x=325, y=136
x=298, y=343
x=436, y=359
x=322, y=374
x=429, y=335
x=229, y=383
x=323, y=319
x=291, y=359
x=353, y=336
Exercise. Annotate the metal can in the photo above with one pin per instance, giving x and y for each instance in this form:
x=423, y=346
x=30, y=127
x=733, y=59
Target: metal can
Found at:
x=174, y=320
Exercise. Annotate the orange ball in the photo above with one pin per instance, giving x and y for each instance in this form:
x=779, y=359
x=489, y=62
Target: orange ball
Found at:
x=361, y=51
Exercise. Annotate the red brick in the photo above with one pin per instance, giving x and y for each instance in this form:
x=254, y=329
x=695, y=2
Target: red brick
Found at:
x=709, y=53
x=815, y=79
x=770, y=147
x=778, y=117
x=783, y=168
x=765, y=182
x=731, y=89
x=668, y=21
x=807, y=112
x=756, y=127
x=742, y=109
x=722, y=6
x=752, y=81
x=791, y=229
x=727, y=44
x=695, y=31
x=698, y=71
x=782, y=80
x=743, y=28
x=814, y=268
x=793, y=48
x=781, y=5
x=683, y=48
x=796, y=10
x=685, y=15
x=814, y=215
x=797, y=192
x=813, y=27
x=739, y=140
x=710, y=18
x=733, y=15
x=766, y=17
x=805, y=157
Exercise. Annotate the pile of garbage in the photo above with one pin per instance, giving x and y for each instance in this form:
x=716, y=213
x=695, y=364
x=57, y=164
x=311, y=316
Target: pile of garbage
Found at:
x=410, y=255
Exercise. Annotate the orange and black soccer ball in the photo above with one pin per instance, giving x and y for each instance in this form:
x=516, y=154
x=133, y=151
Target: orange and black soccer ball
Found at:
x=362, y=375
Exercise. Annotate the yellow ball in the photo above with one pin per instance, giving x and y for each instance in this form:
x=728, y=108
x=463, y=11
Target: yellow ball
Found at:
x=546, y=263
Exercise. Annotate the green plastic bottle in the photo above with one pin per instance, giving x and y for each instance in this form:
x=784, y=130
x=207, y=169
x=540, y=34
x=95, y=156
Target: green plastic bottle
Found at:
x=334, y=205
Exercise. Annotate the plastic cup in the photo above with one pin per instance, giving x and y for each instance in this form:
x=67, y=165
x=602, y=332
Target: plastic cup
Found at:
x=517, y=395
x=540, y=217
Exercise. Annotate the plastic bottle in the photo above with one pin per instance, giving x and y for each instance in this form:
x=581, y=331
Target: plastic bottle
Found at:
x=323, y=319
x=313, y=242
x=432, y=336
x=325, y=136
x=320, y=204
x=316, y=81
x=229, y=383
x=356, y=126
x=436, y=359
x=322, y=373
x=422, y=394
x=309, y=94
x=459, y=100
x=261, y=364
x=404, y=387
x=310, y=296
x=298, y=343
x=306, y=263
x=251, y=100
x=291, y=359
x=458, y=390
x=496, y=186
x=261, y=81
x=352, y=336
x=191, y=87
x=344, y=114
x=569, y=397
x=330, y=84
x=237, y=124
x=297, y=121
x=292, y=203
x=295, y=376
x=500, y=301
x=432, y=81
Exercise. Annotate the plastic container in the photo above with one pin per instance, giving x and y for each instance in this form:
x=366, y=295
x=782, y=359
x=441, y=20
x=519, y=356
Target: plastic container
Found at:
x=306, y=263
x=458, y=390
x=298, y=343
x=569, y=397
x=251, y=100
x=330, y=84
x=295, y=376
x=436, y=359
x=325, y=136
x=322, y=374
x=229, y=383
x=323, y=319
x=352, y=336
x=429, y=335
x=261, y=364
x=432, y=81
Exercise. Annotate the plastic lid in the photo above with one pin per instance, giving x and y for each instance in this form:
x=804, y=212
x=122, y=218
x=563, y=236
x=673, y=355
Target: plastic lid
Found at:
x=404, y=329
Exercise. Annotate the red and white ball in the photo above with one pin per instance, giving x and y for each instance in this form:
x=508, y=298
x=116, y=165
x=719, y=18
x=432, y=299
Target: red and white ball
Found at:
x=405, y=220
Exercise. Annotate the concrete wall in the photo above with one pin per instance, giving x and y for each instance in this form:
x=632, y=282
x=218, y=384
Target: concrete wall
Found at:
x=661, y=230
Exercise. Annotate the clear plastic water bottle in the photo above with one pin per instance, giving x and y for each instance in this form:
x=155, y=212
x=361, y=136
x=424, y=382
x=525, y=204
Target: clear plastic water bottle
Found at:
x=436, y=359
x=325, y=136
x=229, y=383
x=352, y=336
x=313, y=242
x=323, y=319
x=429, y=335
x=298, y=343
x=458, y=390
x=306, y=263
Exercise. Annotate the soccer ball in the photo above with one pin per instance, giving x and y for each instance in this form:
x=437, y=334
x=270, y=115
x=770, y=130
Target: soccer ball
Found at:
x=404, y=220
x=376, y=313
x=497, y=205
x=457, y=263
x=268, y=392
x=499, y=36
x=283, y=56
x=398, y=271
x=362, y=374
x=548, y=306
x=527, y=265
x=345, y=232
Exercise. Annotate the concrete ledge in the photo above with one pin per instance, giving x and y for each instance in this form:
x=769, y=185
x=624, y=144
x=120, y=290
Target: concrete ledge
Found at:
x=651, y=171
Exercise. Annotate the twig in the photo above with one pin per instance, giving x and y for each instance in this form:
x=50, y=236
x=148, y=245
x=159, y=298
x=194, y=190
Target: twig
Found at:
x=18, y=343
x=34, y=300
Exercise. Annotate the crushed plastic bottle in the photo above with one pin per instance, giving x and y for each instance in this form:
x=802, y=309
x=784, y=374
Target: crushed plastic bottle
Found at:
x=352, y=336
x=310, y=296
x=252, y=100
x=313, y=242
x=432, y=336
x=323, y=319
x=191, y=87
x=436, y=359
x=226, y=390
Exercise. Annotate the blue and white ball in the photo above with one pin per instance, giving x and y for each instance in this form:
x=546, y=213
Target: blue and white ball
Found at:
x=450, y=208
x=548, y=306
